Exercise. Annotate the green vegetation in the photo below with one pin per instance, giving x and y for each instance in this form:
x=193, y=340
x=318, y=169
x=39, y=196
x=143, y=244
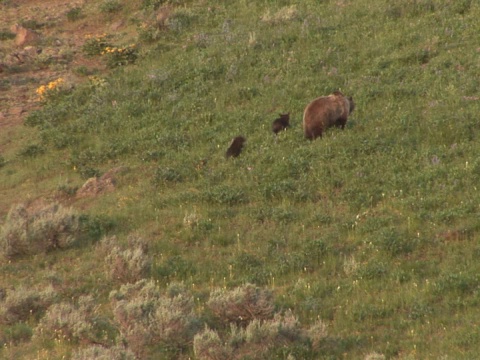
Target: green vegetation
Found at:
x=362, y=244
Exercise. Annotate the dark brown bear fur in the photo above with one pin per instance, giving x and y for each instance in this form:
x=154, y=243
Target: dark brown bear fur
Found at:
x=325, y=112
x=235, y=147
x=281, y=123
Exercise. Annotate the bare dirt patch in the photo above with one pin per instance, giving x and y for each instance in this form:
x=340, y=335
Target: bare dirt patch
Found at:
x=54, y=53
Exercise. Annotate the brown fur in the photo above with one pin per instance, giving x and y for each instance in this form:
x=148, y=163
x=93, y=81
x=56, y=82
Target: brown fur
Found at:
x=235, y=147
x=281, y=123
x=325, y=112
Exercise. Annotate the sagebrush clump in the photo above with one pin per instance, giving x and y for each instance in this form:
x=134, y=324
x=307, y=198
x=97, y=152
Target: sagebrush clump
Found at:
x=208, y=345
x=95, y=45
x=241, y=305
x=126, y=265
x=256, y=340
x=69, y=321
x=22, y=303
x=147, y=316
x=25, y=232
x=103, y=353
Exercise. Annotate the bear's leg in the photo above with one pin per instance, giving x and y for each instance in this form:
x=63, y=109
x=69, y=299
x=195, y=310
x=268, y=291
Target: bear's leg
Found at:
x=341, y=122
x=315, y=132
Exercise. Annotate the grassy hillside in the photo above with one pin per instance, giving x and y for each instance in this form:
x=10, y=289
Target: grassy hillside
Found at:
x=372, y=232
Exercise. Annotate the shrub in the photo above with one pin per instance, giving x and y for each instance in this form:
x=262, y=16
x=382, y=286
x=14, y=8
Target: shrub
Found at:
x=372, y=270
x=110, y=6
x=95, y=45
x=256, y=340
x=19, y=332
x=460, y=283
x=6, y=35
x=94, y=227
x=148, y=33
x=74, y=14
x=315, y=250
x=67, y=190
x=53, y=227
x=102, y=353
x=396, y=243
x=153, y=4
x=147, y=316
x=22, y=303
x=71, y=322
x=181, y=19
x=316, y=333
x=120, y=56
x=51, y=90
x=31, y=151
x=47, y=229
x=207, y=345
x=254, y=269
x=241, y=305
x=13, y=235
x=129, y=265
x=175, y=266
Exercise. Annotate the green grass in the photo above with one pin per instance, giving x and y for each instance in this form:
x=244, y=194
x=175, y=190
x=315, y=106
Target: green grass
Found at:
x=373, y=229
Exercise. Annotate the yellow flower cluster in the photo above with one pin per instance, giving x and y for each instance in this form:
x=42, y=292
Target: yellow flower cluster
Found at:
x=96, y=81
x=116, y=50
x=43, y=90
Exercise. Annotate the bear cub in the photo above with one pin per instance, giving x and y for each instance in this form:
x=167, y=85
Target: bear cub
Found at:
x=281, y=123
x=235, y=147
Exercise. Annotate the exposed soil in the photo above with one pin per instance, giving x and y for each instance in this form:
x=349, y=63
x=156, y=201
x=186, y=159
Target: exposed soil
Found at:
x=56, y=53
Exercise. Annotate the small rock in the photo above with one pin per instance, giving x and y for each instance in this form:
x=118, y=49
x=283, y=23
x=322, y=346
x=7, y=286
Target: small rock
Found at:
x=24, y=36
x=116, y=25
x=95, y=186
x=31, y=51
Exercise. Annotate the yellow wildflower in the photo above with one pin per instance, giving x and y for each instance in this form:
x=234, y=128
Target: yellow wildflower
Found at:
x=43, y=90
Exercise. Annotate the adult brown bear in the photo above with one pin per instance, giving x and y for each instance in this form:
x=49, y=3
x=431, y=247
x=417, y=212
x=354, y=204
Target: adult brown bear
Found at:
x=325, y=112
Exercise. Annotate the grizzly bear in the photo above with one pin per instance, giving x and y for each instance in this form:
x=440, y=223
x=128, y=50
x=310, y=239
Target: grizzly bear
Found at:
x=281, y=123
x=325, y=112
x=235, y=147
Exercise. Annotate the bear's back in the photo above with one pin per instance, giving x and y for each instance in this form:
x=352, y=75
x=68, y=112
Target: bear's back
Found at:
x=324, y=112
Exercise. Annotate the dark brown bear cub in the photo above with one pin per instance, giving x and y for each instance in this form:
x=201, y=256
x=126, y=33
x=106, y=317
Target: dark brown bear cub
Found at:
x=235, y=147
x=281, y=123
x=325, y=112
